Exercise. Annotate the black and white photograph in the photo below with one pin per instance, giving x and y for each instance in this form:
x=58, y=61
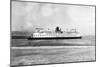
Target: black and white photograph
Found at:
x=51, y=33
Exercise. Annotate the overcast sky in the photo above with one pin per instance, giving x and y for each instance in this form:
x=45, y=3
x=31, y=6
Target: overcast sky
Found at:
x=28, y=15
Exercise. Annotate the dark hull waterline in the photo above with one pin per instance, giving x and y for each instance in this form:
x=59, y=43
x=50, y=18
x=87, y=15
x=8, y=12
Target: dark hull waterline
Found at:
x=50, y=38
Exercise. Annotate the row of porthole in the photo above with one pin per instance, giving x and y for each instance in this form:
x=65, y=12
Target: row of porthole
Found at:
x=41, y=35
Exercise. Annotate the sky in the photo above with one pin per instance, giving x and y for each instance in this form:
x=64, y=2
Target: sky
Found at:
x=26, y=16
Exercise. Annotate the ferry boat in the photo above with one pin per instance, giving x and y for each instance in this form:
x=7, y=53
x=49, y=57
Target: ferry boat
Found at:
x=56, y=34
